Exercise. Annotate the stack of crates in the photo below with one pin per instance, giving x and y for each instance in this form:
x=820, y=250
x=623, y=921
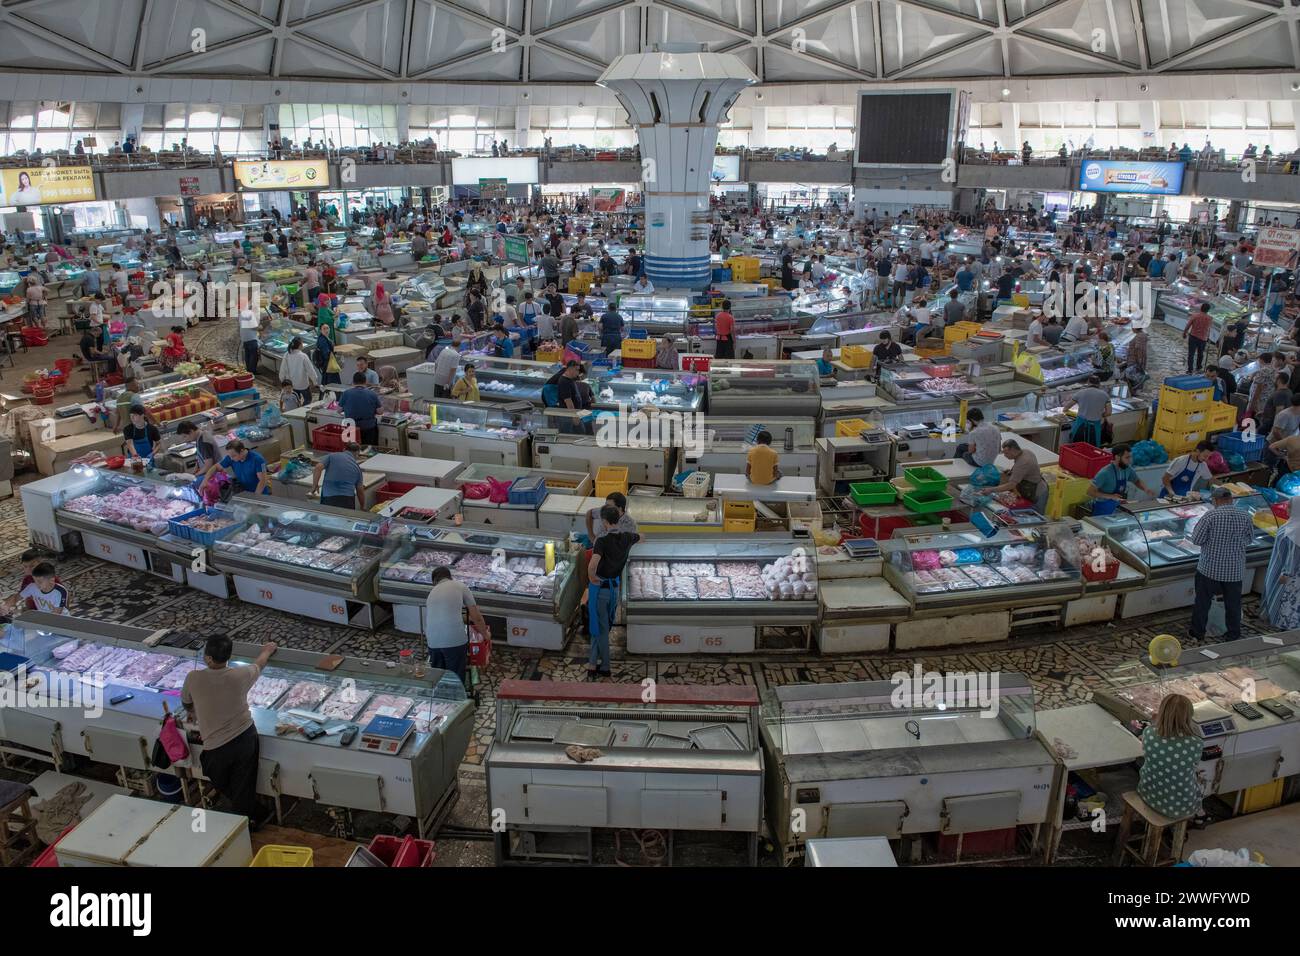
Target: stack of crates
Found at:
x=581, y=282
x=1185, y=413
x=856, y=356
x=1064, y=491
x=960, y=332
x=743, y=268
x=739, y=516
x=610, y=479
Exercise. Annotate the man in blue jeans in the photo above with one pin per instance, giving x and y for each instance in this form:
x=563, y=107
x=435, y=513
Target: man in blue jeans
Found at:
x=608, y=558
x=445, y=610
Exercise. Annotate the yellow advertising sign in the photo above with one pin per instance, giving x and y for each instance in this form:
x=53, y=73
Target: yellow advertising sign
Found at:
x=282, y=174
x=44, y=185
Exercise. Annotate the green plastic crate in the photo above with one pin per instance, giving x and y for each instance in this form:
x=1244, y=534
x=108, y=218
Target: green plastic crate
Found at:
x=872, y=493
x=927, y=502
x=925, y=479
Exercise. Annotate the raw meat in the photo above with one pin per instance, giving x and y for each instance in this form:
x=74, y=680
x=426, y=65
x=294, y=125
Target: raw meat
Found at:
x=147, y=669
x=429, y=713
x=680, y=588
x=647, y=586
x=344, y=703
x=738, y=569
x=748, y=588
x=385, y=705
x=526, y=566
x=304, y=695
x=63, y=650
x=531, y=585
x=174, y=679
x=694, y=569
x=267, y=691
x=714, y=589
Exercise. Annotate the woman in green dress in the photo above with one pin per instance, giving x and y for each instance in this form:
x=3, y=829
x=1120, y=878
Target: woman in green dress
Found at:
x=1171, y=750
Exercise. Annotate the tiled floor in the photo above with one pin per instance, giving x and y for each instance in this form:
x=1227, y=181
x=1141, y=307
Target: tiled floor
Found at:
x=1065, y=667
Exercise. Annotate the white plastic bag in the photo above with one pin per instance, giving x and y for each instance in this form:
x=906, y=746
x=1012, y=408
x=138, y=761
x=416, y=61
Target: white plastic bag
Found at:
x=1220, y=857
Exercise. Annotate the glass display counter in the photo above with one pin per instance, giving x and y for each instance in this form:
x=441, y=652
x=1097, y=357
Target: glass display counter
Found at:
x=747, y=583
x=961, y=569
x=633, y=388
x=895, y=757
x=658, y=315
x=105, y=660
x=929, y=382
x=513, y=380
x=1067, y=367
x=1156, y=536
x=421, y=292
x=507, y=573
x=738, y=387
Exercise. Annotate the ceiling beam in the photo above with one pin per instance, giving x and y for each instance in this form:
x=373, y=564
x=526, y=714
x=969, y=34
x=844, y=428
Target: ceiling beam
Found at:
x=1231, y=36
x=722, y=25
x=137, y=52
x=231, y=7
x=234, y=43
x=1144, y=47
x=550, y=47
x=404, y=65
x=1004, y=44
x=1037, y=14
x=526, y=56
x=877, y=41
x=461, y=60
x=72, y=46
x=821, y=61
x=282, y=21
x=478, y=18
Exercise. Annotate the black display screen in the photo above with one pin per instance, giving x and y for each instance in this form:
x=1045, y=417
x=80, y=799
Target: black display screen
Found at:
x=903, y=127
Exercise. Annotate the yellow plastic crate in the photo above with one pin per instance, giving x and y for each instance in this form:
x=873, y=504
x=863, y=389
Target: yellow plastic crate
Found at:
x=1222, y=415
x=1020, y=299
x=743, y=268
x=954, y=333
x=1196, y=420
x=739, y=516
x=1180, y=400
x=283, y=856
x=851, y=427
x=856, y=356
x=580, y=282
x=638, y=348
x=610, y=479
x=1264, y=796
x=548, y=355
x=1177, y=441
x=1064, y=491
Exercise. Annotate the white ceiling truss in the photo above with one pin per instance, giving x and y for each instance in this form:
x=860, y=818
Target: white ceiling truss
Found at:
x=561, y=41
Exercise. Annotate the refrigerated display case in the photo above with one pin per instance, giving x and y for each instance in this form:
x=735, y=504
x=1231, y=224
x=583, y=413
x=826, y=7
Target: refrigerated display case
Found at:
x=512, y=380
x=728, y=441
x=756, y=388
x=922, y=382
x=1181, y=298
x=474, y=434
x=750, y=585
x=418, y=780
x=650, y=458
x=1155, y=536
x=1244, y=698
x=658, y=315
x=420, y=293
x=944, y=571
x=687, y=760
x=634, y=388
x=304, y=558
x=854, y=759
x=526, y=604
x=1065, y=368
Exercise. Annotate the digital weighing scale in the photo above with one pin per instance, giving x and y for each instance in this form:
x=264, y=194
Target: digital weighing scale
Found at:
x=1212, y=720
x=386, y=735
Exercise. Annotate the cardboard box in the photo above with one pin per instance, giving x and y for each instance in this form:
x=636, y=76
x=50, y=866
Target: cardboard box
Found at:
x=54, y=457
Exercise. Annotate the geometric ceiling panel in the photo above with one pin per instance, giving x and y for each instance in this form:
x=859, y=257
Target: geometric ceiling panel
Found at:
x=540, y=41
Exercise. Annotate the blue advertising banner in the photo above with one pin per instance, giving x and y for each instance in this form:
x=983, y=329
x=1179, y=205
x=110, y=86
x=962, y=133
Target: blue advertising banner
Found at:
x=1118, y=176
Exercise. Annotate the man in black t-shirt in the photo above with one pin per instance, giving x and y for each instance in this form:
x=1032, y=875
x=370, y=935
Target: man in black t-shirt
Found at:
x=887, y=350
x=608, y=558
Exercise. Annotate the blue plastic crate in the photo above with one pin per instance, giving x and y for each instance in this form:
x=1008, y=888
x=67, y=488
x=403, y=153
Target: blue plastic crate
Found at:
x=635, y=333
x=721, y=275
x=581, y=349
x=1234, y=444
x=528, y=490
x=1188, y=383
x=205, y=538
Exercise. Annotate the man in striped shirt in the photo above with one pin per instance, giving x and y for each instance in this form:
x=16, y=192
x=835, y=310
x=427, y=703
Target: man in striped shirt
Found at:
x=1223, y=535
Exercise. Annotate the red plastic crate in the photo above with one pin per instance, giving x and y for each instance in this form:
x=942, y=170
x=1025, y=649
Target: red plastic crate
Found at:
x=401, y=852
x=48, y=856
x=1082, y=459
x=1109, y=573
x=881, y=528
x=638, y=363
x=327, y=438
x=980, y=843
x=392, y=490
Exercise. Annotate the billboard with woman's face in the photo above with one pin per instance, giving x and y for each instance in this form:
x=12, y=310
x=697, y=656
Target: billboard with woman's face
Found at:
x=46, y=185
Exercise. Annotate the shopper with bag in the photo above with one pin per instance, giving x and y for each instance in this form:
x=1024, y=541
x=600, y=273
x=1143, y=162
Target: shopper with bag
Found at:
x=445, y=609
x=216, y=699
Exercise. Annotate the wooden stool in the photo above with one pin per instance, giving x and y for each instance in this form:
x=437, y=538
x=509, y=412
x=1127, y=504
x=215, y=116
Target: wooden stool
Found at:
x=1152, y=836
x=18, y=840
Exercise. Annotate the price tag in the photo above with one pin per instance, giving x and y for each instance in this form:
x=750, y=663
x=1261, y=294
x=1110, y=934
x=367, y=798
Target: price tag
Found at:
x=1273, y=640
x=1210, y=654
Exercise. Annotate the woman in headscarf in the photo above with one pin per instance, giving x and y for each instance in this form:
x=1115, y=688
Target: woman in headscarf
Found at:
x=324, y=353
x=325, y=315
x=477, y=281
x=383, y=306
x=1281, y=605
x=387, y=377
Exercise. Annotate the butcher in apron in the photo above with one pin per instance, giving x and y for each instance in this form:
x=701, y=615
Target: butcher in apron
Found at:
x=1183, y=472
x=140, y=436
x=1109, y=486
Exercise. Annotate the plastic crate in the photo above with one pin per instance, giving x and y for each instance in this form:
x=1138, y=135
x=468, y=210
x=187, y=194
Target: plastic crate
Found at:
x=610, y=479
x=1107, y=573
x=927, y=502
x=856, y=356
x=1222, y=415
x=872, y=492
x=851, y=427
x=1185, y=383
x=548, y=355
x=925, y=479
x=1186, y=400
x=402, y=852
x=327, y=437
x=1177, y=441
x=527, y=490
x=638, y=348
x=1197, y=420
x=1234, y=444
x=179, y=529
x=392, y=490
x=739, y=516
x=283, y=856
x=721, y=275
x=696, y=484
x=1082, y=459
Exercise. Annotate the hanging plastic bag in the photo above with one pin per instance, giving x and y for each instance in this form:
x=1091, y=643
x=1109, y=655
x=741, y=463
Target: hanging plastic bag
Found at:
x=1216, y=464
x=474, y=490
x=986, y=476
x=498, y=491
